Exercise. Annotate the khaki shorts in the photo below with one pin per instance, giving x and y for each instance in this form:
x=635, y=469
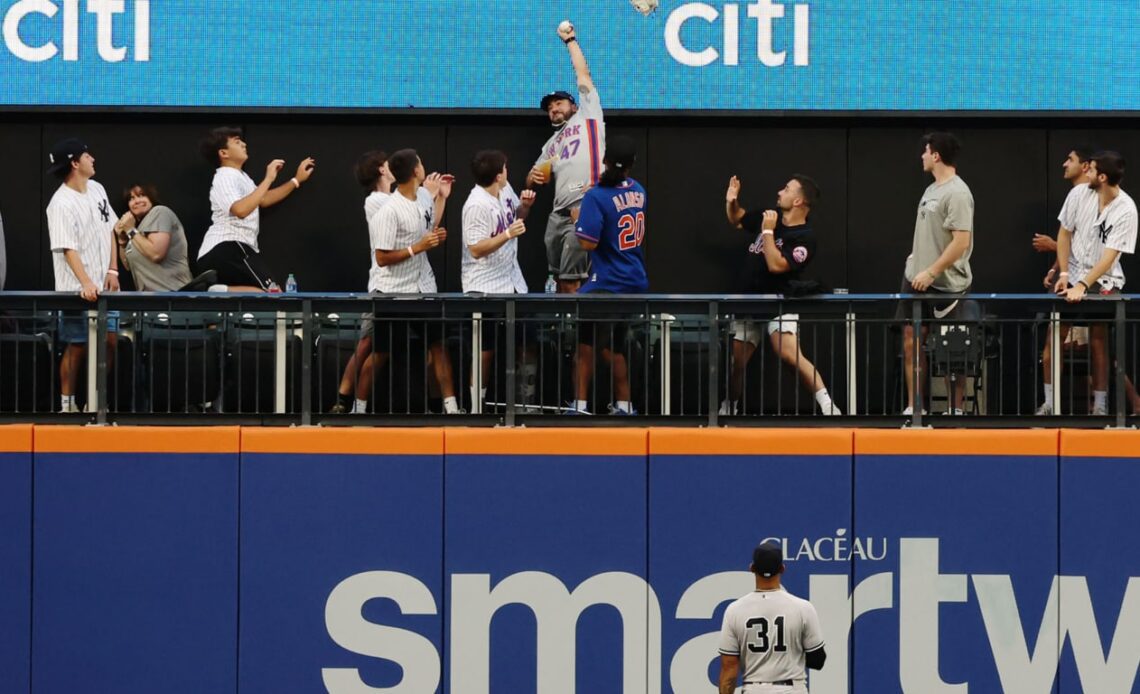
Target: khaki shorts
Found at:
x=752, y=330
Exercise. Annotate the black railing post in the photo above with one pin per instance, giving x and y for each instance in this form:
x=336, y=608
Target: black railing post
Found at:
x=916, y=362
x=1118, y=362
x=714, y=362
x=100, y=362
x=511, y=356
x=306, y=362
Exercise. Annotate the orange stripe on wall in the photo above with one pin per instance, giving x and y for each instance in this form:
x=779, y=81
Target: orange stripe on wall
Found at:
x=346, y=440
x=665, y=441
x=16, y=438
x=114, y=439
x=554, y=441
x=1115, y=443
x=956, y=442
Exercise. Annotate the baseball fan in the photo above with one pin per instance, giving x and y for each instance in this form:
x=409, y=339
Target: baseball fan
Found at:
x=645, y=7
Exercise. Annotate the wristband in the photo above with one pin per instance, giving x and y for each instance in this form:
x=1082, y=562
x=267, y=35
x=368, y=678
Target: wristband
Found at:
x=411, y=252
x=295, y=182
x=768, y=231
x=1063, y=274
x=113, y=272
x=131, y=233
x=1083, y=284
x=570, y=40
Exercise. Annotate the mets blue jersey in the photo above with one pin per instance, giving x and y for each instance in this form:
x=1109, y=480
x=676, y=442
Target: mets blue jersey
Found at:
x=614, y=218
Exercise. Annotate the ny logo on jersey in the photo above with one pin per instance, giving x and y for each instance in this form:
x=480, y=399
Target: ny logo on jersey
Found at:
x=105, y=210
x=427, y=219
x=1104, y=231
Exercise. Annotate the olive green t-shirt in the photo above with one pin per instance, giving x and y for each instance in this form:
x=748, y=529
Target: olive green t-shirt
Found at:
x=945, y=208
x=174, y=270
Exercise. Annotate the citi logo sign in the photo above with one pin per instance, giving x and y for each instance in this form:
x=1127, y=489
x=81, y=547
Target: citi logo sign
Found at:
x=66, y=16
x=768, y=15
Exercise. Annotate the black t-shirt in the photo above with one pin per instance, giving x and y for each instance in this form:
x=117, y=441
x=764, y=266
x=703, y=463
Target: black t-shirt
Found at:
x=795, y=243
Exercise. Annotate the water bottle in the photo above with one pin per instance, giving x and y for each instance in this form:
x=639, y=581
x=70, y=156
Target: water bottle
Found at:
x=291, y=284
x=551, y=286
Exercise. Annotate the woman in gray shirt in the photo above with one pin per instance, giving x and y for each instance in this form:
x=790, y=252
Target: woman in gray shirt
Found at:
x=152, y=243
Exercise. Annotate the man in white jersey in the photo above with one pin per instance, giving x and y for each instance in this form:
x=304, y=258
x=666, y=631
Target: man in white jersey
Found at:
x=400, y=244
x=373, y=174
x=572, y=158
x=492, y=222
x=1098, y=223
x=230, y=245
x=773, y=634
x=80, y=226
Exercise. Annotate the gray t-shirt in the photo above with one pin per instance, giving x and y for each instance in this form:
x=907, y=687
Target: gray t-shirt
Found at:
x=945, y=208
x=174, y=270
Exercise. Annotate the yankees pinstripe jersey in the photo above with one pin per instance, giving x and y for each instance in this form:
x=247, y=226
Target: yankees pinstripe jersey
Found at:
x=1094, y=230
x=373, y=203
x=485, y=217
x=579, y=146
x=399, y=224
x=770, y=631
x=229, y=186
x=82, y=222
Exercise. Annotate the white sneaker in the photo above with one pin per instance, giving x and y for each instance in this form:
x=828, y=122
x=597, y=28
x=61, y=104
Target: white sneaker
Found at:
x=909, y=412
x=1099, y=411
x=71, y=408
x=833, y=411
x=954, y=412
x=1045, y=410
x=728, y=408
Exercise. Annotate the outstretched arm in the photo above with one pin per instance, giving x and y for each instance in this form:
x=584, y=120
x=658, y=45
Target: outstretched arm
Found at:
x=569, y=36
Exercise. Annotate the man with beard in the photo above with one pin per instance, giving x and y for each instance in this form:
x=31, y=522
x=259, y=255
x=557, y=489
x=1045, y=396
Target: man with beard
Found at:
x=784, y=244
x=572, y=158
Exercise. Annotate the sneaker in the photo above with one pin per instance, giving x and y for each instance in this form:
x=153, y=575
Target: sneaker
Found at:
x=1099, y=411
x=72, y=409
x=909, y=412
x=834, y=411
x=570, y=409
x=954, y=412
x=621, y=413
x=729, y=408
x=1045, y=410
x=338, y=408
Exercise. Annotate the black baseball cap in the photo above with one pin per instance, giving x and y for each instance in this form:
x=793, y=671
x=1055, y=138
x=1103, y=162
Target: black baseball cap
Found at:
x=621, y=151
x=63, y=153
x=554, y=96
x=767, y=560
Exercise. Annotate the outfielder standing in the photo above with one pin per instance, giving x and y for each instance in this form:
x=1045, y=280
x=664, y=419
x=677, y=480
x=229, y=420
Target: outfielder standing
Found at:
x=771, y=632
x=572, y=158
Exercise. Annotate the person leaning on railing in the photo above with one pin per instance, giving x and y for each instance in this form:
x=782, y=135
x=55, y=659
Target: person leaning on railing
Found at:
x=152, y=242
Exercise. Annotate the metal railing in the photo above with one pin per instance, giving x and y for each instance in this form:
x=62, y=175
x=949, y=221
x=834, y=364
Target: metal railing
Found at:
x=651, y=359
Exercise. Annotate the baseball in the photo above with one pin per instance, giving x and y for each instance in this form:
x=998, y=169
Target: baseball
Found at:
x=565, y=25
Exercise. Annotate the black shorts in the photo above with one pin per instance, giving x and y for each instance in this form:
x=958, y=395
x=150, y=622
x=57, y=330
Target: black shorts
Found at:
x=606, y=331
x=394, y=333
x=236, y=264
x=939, y=308
x=494, y=333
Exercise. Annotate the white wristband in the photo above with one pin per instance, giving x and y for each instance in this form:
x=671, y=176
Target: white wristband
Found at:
x=1063, y=274
x=113, y=272
x=411, y=253
x=768, y=231
x=295, y=182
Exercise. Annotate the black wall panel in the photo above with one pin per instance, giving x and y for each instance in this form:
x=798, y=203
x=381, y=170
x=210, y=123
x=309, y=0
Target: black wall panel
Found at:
x=868, y=169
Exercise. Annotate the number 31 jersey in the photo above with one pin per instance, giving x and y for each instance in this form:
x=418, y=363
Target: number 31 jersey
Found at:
x=771, y=630
x=614, y=218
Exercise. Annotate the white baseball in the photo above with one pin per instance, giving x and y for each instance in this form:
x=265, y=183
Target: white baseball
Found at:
x=565, y=25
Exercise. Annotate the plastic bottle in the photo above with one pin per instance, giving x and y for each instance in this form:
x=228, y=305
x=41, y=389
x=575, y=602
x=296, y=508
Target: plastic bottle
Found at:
x=273, y=287
x=291, y=284
x=551, y=286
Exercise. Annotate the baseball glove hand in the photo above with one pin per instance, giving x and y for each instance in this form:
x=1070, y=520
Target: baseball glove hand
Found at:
x=645, y=7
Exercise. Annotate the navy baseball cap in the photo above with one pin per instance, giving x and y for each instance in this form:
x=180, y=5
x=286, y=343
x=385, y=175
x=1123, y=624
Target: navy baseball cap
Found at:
x=554, y=96
x=767, y=559
x=63, y=153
